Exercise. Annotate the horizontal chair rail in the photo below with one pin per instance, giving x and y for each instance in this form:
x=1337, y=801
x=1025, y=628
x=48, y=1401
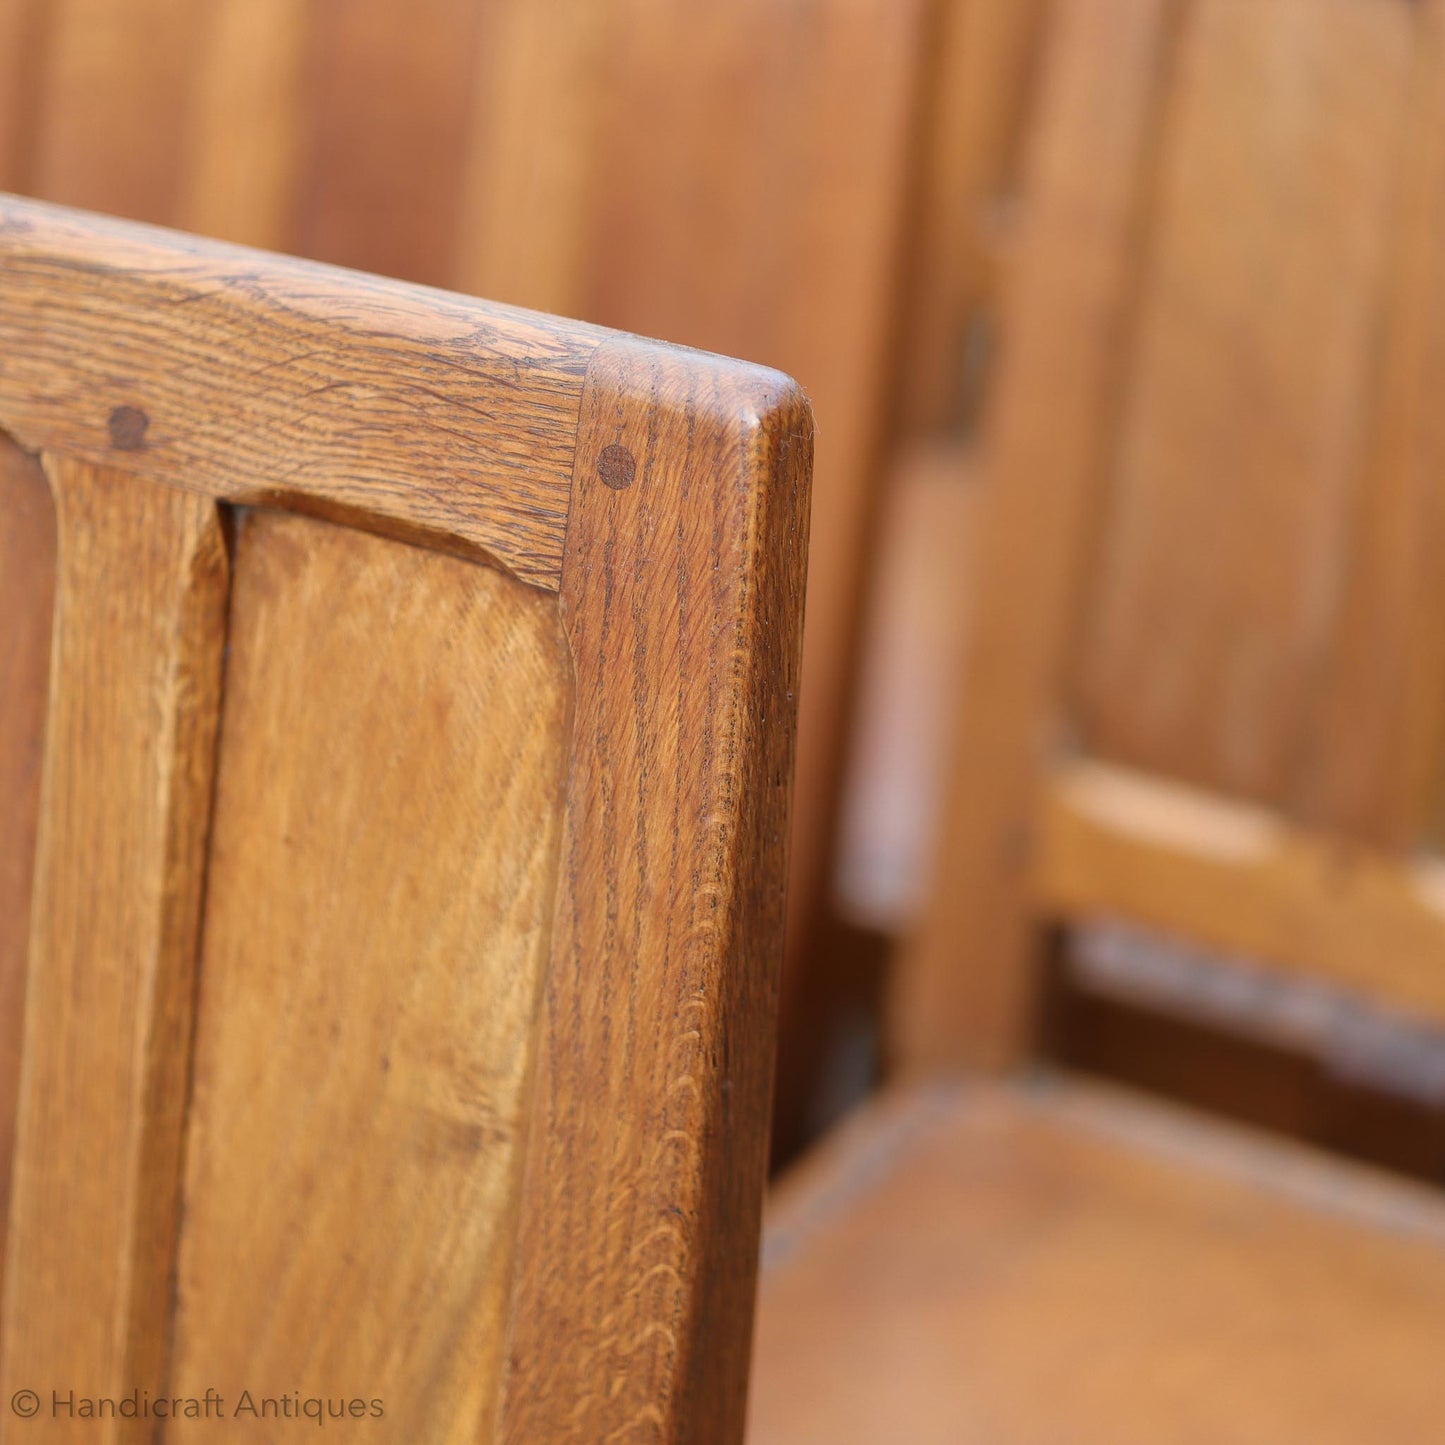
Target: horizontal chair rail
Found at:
x=341, y=390
x=1241, y=878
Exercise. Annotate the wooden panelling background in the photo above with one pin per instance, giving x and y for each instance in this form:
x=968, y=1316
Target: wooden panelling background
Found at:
x=980, y=87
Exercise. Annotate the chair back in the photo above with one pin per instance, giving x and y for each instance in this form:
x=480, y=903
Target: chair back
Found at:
x=1206, y=683
x=396, y=724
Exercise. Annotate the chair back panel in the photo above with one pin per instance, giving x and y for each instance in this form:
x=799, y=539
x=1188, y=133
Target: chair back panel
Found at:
x=1215, y=667
x=575, y=156
x=401, y=968
x=135, y=674
x=27, y=603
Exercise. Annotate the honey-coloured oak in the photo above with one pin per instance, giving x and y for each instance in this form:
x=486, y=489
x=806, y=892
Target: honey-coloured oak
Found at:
x=589, y=158
x=382, y=870
x=418, y=745
x=1049, y=1262
x=1201, y=699
x=27, y=601
x=1213, y=504
x=430, y=417
x=135, y=665
x=678, y=790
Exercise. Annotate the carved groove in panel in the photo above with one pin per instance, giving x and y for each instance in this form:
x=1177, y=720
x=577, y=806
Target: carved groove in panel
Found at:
x=388, y=804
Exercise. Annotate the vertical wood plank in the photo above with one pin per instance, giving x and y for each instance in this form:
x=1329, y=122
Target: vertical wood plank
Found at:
x=387, y=97
x=24, y=31
x=681, y=588
x=27, y=600
x=135, y=668
x=524, y=224
x=981, y=72
x=1371, y=749
x=965, y=983
x=380, y=889
x=117, y=93
x=1250, y=390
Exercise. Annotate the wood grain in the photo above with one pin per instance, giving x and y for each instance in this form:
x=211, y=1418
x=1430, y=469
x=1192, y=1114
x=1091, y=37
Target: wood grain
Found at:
x=1372, y=750
x=802, y=244
x=1249, y=393
x=1063, y=1264
x=681, y=592
x=579, y=156
x=389, y=801
x=981, y=80
x=257, y=379
x=135, y=667
x=1243, y=879
x=114, y=91
x=239, y=180
x=27, y=601
x=965, y=982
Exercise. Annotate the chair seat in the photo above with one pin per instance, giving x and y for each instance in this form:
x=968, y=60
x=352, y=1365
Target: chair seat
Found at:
x=1052, y=1261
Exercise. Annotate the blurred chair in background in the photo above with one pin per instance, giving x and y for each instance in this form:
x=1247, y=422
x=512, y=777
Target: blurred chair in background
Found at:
x=1204, y=692
x=980, y=90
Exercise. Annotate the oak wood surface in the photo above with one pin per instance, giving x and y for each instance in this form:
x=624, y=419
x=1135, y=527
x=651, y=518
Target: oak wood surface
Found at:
x=384, y=101
x=111, y=87
x=135, y=668
x=246, y=72
x=612, y=213
x=22, y=39
x=981, y=80
x=256, y=379
x=1053, y=1263
x=27, y=597
x=382, y=871
x=1383, y=689
x=653, y=1090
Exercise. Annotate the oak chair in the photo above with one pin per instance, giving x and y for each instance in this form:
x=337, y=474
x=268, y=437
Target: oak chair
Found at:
x=517, y=149
x=395, y=734
x=1205, y=694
